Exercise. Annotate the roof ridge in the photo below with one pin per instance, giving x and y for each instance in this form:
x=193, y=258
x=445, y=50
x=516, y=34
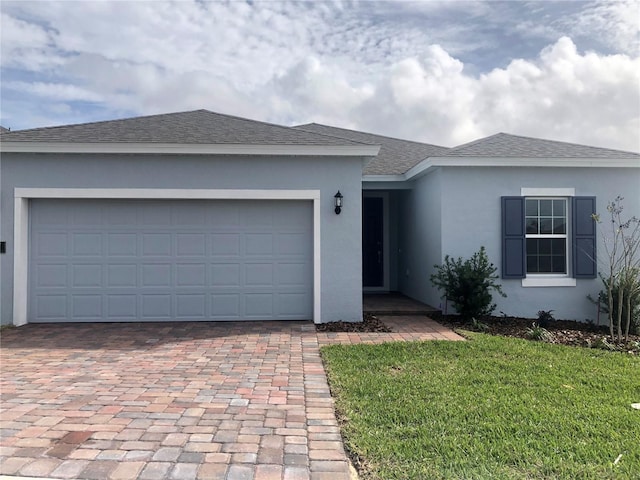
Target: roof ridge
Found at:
x=106, y=121
x=473, y=142
x=173, y=114
x=488, y=139
x=366, y=133
x=564, y=143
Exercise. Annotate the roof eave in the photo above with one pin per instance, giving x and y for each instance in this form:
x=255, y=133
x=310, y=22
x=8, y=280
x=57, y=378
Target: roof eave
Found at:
x=190, y=149
x=426, y=165
x=557, y=162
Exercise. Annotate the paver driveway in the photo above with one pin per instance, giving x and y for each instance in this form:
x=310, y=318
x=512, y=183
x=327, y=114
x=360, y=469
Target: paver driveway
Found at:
x=243, y=400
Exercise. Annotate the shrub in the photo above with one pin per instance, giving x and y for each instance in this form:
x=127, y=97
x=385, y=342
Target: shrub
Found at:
x=468, y=284
x=545, y=317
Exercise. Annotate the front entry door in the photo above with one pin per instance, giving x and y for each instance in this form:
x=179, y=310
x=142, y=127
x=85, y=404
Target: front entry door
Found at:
x=372, y=242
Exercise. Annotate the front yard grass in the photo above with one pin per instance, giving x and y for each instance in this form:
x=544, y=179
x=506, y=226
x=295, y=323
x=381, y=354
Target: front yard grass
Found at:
x=492, y=407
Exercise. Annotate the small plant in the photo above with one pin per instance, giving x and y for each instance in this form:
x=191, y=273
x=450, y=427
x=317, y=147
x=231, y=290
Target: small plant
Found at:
x=479, y=326
x=538, y=333
x=603, y=344
x=545, y=317
x=468, y=284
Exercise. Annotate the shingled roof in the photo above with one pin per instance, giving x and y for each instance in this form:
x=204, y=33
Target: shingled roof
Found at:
x=396, y=156
x=516, y=146
x=195, y=127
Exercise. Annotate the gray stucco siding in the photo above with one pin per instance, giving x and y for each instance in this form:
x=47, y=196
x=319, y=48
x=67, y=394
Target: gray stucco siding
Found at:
x=419, y=237
x=471, y=219
x=340, y=235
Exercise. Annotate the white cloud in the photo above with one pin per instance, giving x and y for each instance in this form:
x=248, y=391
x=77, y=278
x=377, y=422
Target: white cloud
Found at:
x=392, y=68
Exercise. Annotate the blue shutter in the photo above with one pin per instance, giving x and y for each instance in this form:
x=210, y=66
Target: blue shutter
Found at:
x=513, y=238
x=583, y=237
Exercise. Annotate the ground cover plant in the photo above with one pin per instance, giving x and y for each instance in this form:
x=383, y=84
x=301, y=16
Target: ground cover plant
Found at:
x=491, y=407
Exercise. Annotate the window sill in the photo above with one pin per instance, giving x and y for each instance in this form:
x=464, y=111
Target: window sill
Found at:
x=542, y=281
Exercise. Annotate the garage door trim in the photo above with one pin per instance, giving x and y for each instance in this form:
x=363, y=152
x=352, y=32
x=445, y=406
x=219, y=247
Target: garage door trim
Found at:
x=21, y=225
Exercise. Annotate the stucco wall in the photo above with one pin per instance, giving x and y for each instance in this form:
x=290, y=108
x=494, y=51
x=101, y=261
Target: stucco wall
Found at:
x=471, y=218
x=341, y=235
x=419, y=238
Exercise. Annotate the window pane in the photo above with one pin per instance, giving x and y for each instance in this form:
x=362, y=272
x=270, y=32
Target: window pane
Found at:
x=559, y=226
x=558, y=264
x=546, y=225
x=546, y=255
x=531, y=208
x=544, y=264
x=559, y=208
x=558, y=246
x=532, y=225
x=546, y=208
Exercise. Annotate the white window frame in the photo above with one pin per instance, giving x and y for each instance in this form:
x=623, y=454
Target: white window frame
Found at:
x=551, y=279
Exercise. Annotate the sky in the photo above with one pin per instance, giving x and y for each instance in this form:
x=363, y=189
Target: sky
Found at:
x=440, y=72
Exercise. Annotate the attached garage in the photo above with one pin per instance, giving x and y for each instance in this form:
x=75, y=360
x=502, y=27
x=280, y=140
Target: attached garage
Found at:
x=154, y=260
x=190, y=216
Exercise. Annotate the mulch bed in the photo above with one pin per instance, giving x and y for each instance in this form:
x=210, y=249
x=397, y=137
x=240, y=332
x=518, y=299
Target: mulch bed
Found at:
x=370, y=323
x=564, y=332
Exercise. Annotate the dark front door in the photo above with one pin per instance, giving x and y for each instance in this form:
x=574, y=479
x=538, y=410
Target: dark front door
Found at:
x=372, y=247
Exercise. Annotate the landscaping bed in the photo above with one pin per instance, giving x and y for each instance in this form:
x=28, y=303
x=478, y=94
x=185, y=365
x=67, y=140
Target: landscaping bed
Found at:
x=370, y=323
x=562, y=332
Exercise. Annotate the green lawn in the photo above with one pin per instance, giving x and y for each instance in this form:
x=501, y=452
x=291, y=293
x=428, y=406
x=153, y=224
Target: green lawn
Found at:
x=492, y=407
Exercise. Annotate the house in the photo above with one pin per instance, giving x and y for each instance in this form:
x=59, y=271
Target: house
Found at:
x=203, y=216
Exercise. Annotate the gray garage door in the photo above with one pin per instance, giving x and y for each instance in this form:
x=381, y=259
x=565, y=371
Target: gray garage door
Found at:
x=139, y=260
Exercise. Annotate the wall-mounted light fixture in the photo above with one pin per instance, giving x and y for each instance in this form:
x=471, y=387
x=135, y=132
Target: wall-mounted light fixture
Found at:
x=338, y=201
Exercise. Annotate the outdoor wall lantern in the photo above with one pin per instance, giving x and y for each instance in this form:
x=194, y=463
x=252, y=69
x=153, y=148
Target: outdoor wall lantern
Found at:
x=338, y=202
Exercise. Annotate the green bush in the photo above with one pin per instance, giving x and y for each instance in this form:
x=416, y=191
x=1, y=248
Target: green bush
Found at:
x=468, y=284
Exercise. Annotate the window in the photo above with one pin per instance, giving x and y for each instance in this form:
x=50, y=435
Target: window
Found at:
x=546, y=235
x=539, y=245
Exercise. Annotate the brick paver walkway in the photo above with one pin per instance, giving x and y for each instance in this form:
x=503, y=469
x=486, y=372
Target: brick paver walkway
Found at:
x=242, y=400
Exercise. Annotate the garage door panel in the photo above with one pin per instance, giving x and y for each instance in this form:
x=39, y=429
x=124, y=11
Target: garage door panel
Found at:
x=225, y=275
x=51, y=307
x=122, y=275
x=191, y=306
x=156, y=245
x=258, y=274
x=51, y=244
x=225, y=244
x=190, y=275
x=292, y=274
x=122, y=244
x=225, y=305
x=156, y=275
x=86, y=275
x=132, y=260
x=258, y=244
x=122, y=307
x=86, y=244
x=156, y=306
x=289, y=304
x=85, y=307
x=191, y=244
x=258, y=305
x=51, y=275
